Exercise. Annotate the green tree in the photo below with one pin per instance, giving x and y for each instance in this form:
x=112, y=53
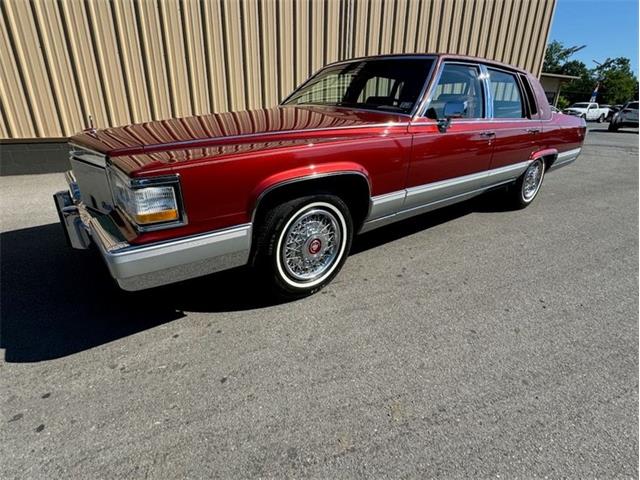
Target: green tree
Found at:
x=557, y=55
x=618, y=84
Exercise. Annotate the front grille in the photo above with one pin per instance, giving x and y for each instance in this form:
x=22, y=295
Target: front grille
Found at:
x=89, y=168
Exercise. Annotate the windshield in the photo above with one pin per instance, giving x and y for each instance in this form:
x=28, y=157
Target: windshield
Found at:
x=392, y=85
x=632, y=105
x=580, y=105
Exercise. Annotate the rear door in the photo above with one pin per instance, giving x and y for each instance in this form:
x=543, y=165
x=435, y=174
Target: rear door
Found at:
x=514, y=119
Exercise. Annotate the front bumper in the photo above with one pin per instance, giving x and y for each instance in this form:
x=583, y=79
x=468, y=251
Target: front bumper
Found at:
x=136, y=267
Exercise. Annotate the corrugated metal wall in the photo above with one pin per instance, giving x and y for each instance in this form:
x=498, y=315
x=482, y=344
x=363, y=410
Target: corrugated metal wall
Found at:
x=125, y=61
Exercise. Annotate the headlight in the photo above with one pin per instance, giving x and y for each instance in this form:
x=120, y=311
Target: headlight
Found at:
x=153, y=202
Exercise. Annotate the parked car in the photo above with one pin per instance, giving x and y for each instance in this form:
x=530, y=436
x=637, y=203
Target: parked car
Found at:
x=627, y=117
x=588, y=111
x=361, y=144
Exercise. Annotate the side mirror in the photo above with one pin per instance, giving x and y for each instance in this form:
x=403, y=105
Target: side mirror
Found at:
x=451, y=110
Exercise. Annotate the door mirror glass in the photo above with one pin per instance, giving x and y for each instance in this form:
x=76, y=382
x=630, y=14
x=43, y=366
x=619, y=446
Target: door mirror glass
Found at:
x=454, y=110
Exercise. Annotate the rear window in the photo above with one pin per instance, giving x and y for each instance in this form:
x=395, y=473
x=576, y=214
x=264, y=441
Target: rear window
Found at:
x=505, y=94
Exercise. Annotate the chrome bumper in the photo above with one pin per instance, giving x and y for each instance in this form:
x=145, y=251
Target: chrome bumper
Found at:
x=136, y=267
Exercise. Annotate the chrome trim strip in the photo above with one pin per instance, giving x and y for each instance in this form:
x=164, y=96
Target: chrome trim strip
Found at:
x=424, y=198
x=565, y=158
x=433, y=192
x=87, y=155
x=389, y=203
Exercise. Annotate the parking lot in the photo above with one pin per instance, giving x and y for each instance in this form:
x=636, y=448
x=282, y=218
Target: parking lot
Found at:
x=472, y=342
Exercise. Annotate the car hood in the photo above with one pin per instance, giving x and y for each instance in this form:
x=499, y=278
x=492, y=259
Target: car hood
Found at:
x=224, y=128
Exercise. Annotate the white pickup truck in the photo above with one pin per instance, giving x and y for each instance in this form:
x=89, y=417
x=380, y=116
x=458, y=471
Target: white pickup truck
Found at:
x=588, y=111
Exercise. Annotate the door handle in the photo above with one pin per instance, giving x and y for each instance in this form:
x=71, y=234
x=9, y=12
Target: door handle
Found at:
x=533, y=130
x=487, y=134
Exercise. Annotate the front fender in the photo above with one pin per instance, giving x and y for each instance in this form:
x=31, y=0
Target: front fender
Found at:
x=308, y=172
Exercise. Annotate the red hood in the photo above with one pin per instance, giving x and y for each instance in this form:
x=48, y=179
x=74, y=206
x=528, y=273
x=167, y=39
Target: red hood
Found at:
x=223, y=128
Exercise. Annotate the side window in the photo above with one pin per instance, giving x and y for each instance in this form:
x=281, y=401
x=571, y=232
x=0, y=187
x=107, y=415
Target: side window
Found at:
x=506, y=96
x=458, y=83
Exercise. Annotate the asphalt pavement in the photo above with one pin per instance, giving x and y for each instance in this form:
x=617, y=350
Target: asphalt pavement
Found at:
x=473, y=342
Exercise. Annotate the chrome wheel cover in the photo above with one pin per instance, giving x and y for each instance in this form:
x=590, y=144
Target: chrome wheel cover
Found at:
x=311, y=245
x=532, y=180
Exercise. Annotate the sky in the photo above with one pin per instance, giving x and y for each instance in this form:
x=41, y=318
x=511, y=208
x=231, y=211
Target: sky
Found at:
x=608, y=28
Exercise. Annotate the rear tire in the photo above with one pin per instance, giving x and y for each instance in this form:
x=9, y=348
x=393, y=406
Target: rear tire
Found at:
x=526, y=188
x=601, y=118
x=302, y=244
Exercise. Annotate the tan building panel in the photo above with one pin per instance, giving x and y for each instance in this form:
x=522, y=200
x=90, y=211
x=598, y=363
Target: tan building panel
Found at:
x=124, y=61
x=22, y=29
x=15, y=112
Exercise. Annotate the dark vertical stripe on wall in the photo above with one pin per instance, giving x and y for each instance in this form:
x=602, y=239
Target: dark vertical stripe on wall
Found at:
x=380, y=26
x=367, y=43
x=125, y=77
x=101, y=74
x=294, y=44
x=207, y=54
x=393, y=24
x=406, y=25
x=187, y=57
x=354, y=15
x=440, y=26
x=7, y=123
x=163, y=36
x=310, y=30
x=47, y=65
x=263, y=91
x=325, y=25
x=243, y=50
x=278, y=51
x=225, y=53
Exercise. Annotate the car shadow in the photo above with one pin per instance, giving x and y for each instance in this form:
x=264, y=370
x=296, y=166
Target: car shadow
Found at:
x=55, y=301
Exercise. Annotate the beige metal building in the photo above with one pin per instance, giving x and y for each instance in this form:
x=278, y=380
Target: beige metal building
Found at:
x=124, y=61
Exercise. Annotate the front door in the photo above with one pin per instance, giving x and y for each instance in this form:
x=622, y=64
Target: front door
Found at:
x=448, y=164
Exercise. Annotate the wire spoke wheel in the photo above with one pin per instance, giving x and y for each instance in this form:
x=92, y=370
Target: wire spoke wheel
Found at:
x=532, y=180
x=311, y=245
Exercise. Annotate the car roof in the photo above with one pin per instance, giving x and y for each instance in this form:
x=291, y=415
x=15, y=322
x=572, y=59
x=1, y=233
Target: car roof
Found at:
x=442, y=56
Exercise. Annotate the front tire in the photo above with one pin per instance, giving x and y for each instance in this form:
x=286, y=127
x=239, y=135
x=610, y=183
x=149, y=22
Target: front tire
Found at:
x=526, y=188
x=613, y=127
x=303, y=244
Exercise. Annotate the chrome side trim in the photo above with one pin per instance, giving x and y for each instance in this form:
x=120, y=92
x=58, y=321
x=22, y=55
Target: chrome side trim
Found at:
x=424, y=198
x=565, y=158
x=389, y=203
x=86, y=155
